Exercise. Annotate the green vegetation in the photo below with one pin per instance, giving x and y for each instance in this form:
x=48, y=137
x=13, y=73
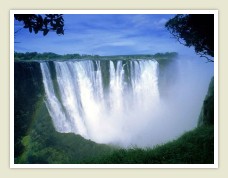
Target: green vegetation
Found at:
x=29, y=56
x=28, y=89
x=43, y=145
x=37, y=142
x=207, y=112
x=194, y=147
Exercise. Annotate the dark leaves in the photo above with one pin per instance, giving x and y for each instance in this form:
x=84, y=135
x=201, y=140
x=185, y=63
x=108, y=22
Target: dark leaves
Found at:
x=45, y=32
x=43, y=23
x=195, y=30
x=59, y=31
x=30, y=29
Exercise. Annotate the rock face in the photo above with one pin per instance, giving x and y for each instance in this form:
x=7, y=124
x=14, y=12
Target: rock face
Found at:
x=28, y=89
x=207, y=112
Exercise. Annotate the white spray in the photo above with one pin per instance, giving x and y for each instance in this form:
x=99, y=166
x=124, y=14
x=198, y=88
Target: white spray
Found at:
x=128, y=112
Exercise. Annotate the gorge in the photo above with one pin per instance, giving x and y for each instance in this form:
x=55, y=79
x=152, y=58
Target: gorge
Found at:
x=136, y=102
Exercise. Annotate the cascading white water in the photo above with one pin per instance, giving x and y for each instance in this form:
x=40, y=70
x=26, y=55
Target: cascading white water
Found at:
x=79, y=101
x=53, y=104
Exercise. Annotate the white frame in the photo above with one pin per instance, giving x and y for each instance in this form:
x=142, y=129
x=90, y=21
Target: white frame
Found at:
x=215, y=165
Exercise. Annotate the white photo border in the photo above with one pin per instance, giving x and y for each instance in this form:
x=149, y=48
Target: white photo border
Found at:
x=216, y=116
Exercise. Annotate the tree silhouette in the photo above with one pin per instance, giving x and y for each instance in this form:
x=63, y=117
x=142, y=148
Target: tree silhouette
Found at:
x=43, y=23
x=195, y=30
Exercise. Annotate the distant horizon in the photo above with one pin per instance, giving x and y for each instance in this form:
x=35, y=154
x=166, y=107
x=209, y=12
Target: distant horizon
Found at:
x=135, y=54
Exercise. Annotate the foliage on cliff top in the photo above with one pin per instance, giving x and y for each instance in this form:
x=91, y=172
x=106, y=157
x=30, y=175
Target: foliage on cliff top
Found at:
x=29, y=56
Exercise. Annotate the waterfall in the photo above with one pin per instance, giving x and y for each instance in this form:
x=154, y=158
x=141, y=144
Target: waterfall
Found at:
x=100, y=99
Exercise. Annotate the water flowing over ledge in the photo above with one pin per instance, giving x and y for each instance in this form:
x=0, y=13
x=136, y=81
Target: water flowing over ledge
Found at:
x=100, y=100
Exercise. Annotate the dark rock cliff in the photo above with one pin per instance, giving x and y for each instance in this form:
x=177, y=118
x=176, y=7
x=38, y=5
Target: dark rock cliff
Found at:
x=207, y=112
x=28, y=89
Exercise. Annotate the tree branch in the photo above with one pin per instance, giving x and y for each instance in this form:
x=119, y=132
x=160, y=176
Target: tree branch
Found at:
x=18, y=30
x=208, y=59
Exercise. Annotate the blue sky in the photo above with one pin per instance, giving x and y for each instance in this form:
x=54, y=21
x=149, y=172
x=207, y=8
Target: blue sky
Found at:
x=104, y=34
